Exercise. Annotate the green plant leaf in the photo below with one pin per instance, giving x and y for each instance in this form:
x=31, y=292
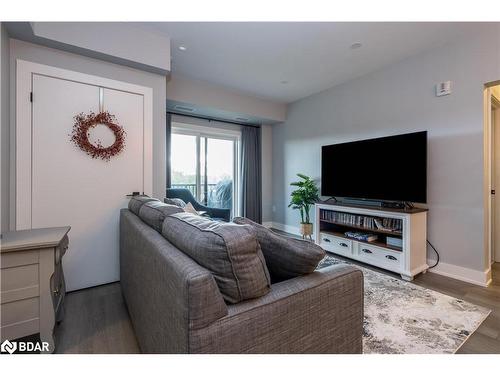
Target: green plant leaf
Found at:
x=304, y=196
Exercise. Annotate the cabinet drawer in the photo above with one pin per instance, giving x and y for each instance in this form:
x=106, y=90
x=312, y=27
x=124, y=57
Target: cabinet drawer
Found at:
x=379, y=256
x=338, y=245
x=18, y=311
x=20, y=258
x=21, y=277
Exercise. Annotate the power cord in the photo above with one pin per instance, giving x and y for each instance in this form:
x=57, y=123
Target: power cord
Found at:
x=437, y=254
x=329, y=199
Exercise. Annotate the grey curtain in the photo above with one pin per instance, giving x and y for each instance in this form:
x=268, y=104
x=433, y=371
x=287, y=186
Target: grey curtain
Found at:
x=251, y=174
x=168, y=148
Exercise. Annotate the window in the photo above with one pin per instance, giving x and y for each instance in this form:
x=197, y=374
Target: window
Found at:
x=204, y=160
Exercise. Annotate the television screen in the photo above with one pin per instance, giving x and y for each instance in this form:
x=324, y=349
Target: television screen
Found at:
x=389, y=168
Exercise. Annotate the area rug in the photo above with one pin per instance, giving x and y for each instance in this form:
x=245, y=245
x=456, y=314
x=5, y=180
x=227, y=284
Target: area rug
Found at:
x=404, y=318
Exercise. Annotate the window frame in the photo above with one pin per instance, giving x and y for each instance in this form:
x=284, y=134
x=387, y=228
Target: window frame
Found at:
x=200, y=131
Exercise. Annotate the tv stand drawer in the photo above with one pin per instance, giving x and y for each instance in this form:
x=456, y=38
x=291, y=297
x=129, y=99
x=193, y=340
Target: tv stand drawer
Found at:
x=336, y=244
x=378, y=256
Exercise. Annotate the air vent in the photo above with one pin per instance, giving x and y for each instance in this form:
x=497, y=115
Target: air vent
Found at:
x=184, y=109
x=243, y=119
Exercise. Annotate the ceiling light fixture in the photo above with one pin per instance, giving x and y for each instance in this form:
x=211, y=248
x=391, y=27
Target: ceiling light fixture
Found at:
x=356, y=45
x=182, y=48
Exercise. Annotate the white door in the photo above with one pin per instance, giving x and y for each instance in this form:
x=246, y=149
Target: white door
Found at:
x=71, y=188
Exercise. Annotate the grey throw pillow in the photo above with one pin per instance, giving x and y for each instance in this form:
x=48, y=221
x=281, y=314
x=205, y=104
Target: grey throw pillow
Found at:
x=175, y=201
x=230, y=252
x=285, y=257
x=137, y=201
x=153, y=213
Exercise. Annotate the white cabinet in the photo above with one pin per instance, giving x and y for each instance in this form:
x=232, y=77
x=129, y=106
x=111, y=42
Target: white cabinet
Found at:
x=333, y=221
x=32, y=283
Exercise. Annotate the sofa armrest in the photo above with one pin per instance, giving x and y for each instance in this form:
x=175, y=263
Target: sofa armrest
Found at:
x=223, y=213
x=317, y=313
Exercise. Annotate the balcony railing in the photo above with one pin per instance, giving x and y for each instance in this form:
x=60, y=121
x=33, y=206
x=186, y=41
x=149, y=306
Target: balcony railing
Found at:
x=190, y=187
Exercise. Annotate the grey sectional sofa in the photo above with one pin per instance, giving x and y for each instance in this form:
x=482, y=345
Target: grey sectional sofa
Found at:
x=176, y=307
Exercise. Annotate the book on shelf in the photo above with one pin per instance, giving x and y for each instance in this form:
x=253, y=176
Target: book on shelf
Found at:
x=368, y=222
x=367, y=237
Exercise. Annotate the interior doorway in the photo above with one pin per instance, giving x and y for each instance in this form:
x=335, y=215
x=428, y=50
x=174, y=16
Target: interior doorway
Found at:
x=493, y=104
x=492, y=174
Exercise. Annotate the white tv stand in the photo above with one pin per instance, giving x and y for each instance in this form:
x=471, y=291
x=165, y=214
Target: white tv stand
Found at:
x=410, y=225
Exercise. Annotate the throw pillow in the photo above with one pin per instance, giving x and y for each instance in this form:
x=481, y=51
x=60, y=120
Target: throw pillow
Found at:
x=230, y=252
x=285, y=257
x=137, y=201
x=153, y=213
x=175, y=201
x=190, y=209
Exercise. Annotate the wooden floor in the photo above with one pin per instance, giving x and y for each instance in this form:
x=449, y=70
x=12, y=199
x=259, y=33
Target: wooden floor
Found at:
x=486, y=340
x=97, y=320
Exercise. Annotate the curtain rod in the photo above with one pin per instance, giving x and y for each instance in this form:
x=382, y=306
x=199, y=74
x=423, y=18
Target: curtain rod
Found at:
x=214, y=119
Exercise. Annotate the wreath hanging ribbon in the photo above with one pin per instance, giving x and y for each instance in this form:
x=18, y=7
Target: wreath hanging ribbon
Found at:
x=80, y=135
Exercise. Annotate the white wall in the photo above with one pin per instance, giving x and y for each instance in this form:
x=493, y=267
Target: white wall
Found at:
x=4, y=118
x=397, y=99
x=70, y=61
x=117, y=41
x=206, y=95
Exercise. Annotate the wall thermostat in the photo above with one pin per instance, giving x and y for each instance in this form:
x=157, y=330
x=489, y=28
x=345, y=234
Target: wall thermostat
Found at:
x=443, y=88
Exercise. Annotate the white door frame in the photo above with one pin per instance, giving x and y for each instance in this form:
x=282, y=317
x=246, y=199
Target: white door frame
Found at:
x=23, y=154
x=494, y=105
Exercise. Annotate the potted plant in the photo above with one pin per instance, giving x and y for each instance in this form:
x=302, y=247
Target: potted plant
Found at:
x=303, y=198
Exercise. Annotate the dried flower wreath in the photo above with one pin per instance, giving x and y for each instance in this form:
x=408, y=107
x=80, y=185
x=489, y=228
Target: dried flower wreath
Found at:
x=80, y=135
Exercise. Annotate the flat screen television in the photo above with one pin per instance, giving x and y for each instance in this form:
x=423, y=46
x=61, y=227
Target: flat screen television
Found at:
x=390, y=169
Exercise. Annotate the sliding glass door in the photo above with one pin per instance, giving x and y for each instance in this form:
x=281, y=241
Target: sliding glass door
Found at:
x=205, y=162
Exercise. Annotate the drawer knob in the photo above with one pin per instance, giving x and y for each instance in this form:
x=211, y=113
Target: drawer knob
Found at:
x=366, y=251
x=390, y=257
x=343, y=244
x=326, y=240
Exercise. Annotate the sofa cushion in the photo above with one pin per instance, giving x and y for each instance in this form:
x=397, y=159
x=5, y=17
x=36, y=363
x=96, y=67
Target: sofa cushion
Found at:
x=175, y=201
x=137, y=201
x=153, y=213
x=230, y=252
x=285, y=257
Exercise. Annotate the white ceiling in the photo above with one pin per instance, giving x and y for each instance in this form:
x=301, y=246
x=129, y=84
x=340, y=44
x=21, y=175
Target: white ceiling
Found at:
x=256, y=57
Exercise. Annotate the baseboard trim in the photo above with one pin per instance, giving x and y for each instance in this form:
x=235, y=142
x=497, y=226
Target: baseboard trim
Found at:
x=481, y=278
x=267, y=224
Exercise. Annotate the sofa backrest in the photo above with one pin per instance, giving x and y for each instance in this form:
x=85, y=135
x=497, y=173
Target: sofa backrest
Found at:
x=167, y=292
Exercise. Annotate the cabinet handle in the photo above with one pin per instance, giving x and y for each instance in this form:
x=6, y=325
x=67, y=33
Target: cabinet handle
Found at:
x=326, y=240
x=57, y=291
x=343, y=244
x=366, y=251
x=391, y=257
